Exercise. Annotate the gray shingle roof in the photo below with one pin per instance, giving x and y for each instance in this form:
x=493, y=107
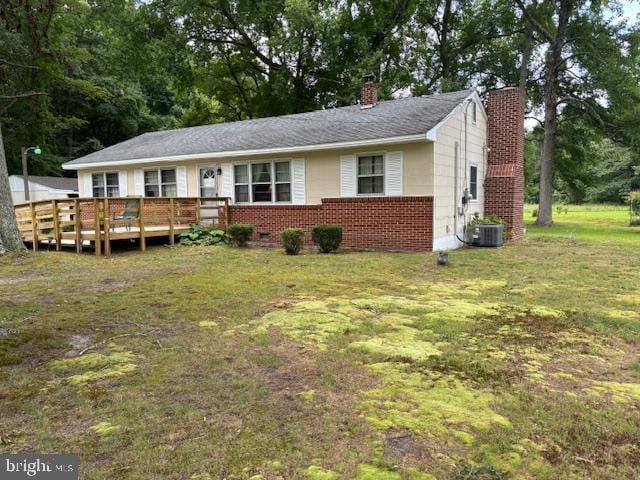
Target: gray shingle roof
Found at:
x=392, y=118
x=59, y=183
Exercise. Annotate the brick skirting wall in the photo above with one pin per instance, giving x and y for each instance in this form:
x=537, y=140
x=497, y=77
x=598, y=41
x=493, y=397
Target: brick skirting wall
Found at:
x=385, y=223
x=504, y=182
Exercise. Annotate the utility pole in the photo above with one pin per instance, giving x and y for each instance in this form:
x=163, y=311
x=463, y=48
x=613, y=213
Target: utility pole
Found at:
x=25, y=170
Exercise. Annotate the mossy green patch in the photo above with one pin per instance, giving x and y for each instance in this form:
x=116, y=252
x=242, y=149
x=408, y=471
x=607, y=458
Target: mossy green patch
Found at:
x=428, y=407
x=371, y=472
x=94, y=366
x=618, y=392
x=318, y=473
x=207, y=323
x=105, y=428
x=401, y=342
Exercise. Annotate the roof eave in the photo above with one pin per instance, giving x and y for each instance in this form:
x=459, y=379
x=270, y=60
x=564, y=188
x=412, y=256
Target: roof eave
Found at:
x=247, y=153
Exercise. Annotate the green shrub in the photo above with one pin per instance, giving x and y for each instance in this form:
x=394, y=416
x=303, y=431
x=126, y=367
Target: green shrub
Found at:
x=292, y=239
x=634, y=222
x=199, y=235
x=534, y=213
x=240, y=233
x=634, y=202
x=327, y=237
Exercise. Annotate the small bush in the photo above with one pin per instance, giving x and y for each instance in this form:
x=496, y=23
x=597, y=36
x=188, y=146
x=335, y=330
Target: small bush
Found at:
x=327, y=237
x=199, y=235
x=240, y=233
x=634, y=222
x=534, y=213
x=292, y=239
x=634, y=202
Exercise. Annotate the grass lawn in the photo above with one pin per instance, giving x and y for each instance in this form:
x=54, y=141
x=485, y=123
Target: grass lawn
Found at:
x=214, y=362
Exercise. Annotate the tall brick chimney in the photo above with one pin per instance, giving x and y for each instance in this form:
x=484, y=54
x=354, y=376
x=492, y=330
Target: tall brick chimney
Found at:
x=504, y=182
x=369, y=92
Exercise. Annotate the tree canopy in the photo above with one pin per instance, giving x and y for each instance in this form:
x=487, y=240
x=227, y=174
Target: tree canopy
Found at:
x=101, y=71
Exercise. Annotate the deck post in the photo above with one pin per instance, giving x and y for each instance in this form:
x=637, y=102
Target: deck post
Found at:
x=56, y=225
x=107, y=233
x=96, y=226
x=227, y=218
x=171, y=222
x=78, y=225
x=34, y=227
x=143, y=242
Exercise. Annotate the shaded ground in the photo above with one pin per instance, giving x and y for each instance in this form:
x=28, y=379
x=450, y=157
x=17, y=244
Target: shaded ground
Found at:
x=224, y=363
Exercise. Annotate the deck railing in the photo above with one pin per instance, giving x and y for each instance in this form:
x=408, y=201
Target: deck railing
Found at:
x=77, y=221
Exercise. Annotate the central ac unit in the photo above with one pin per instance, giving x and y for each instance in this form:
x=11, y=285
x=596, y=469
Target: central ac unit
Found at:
x=487, y=235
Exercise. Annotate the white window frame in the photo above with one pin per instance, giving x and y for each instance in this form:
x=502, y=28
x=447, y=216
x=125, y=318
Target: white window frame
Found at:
x=474, y=112
x=158, y=170
x=106, y=186
x=384, y=173
x=273, y=182
x=474, y=165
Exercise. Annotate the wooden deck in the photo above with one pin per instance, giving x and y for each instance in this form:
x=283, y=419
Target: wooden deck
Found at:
x=84, y=222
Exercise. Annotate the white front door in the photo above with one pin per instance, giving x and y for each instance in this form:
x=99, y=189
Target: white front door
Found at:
x=208, y=181
x=208, y=188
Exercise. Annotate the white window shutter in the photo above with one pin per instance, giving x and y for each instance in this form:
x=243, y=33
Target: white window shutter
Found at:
x=122, y=183
x=348, y=182
x=298, y=189
x=87, y=185
x=181, y=179
x=138, y=177
x=226, y=180
x=393, y=174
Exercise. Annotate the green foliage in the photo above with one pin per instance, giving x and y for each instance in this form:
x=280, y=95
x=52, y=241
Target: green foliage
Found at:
x=534, y=212
x=292, y=240
x=327, y=237
x=240, y=233
x=199, y=235
x=634, y=202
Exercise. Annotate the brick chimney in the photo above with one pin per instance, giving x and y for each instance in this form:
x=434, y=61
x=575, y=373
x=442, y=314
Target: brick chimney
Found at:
x=504, y=182
x=369, y=92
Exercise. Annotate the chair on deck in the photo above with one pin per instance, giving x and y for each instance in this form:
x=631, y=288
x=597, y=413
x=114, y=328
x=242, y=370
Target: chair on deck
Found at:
x=131, y=211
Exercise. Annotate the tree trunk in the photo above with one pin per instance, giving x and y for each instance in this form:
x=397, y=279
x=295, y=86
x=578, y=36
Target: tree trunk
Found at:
x=10, y=240
x=553, y=64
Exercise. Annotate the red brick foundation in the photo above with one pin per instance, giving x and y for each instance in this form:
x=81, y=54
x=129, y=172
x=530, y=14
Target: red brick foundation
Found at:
x=377, y=223
x=504, y=182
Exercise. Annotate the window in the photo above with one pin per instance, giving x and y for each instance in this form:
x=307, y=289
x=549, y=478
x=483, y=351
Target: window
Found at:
x=370, y=174
x=241, y=175
x=474, y=112
x=105, y=184
x=261, y=187
x=257, y=182
x=160, y=183
x=473, y=182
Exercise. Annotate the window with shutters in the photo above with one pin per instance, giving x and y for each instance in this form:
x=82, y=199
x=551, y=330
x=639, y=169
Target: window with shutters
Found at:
x=161, y=182
x=105, y=184
x=370, y=174
x=262, y=182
